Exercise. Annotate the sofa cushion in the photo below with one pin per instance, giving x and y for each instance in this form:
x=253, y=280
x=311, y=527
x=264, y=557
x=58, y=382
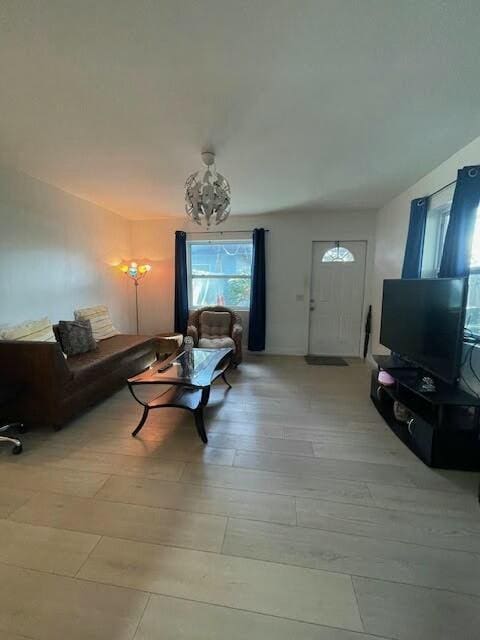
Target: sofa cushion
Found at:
x=215, y=324
x=75, y=336
x=36, y=330
x=216, y=343
x=100, y=320
x=110, y=353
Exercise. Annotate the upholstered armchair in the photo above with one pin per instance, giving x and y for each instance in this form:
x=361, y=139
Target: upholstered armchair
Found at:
x=216, y=328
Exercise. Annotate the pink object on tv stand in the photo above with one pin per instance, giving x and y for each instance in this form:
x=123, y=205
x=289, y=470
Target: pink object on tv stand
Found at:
x=385, y=378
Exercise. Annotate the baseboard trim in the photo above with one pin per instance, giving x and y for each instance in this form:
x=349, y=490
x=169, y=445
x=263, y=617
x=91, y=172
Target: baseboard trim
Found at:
x=284, y=351
x=292, y=351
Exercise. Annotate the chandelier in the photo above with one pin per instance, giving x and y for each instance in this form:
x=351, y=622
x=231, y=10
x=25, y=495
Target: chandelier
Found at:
x=207, y=194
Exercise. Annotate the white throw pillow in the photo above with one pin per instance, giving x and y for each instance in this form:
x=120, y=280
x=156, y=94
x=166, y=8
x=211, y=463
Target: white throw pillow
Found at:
x=100, y=320
x=36, y=330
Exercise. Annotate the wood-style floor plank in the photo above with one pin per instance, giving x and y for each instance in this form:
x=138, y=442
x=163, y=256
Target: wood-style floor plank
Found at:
x=44, y=548
x=278, y=483
x=40, y=477
x=176, y=619
x=350, y=470
x=441, y=531
x=311, y=596
x=44, y=606
x=131, y=521
x=405, y=612
x=424, y=500
x=354, y=555
x=11, y=498
x=200, y=499
x=87, y=464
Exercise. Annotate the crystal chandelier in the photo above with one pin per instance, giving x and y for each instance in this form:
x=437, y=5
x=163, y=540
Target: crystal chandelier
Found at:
x=207, y=194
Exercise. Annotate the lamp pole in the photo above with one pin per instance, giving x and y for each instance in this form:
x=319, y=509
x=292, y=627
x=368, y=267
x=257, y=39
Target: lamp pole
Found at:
x=136, y=301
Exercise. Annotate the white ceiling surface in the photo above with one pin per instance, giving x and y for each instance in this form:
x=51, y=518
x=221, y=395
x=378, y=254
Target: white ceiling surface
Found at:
x=309, y=104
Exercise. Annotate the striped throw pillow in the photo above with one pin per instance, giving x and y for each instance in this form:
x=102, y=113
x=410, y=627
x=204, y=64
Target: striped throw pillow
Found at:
x=36, y=330
x=100, y=320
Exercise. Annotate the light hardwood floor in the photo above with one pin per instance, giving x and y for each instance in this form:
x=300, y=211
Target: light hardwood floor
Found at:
x=304, y=518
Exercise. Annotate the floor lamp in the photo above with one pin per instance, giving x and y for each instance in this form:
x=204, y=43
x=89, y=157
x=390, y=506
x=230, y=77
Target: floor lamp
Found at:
x=136, y=272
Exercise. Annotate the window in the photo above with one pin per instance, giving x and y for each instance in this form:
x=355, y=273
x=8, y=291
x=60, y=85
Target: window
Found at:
x=438, y=215
x=472, y=320
x=338, y=254
x=220, y=273
x=436, y=228
x=435, y=231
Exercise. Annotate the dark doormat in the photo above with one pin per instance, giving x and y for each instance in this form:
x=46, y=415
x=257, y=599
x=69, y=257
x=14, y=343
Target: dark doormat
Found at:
x=327, y=361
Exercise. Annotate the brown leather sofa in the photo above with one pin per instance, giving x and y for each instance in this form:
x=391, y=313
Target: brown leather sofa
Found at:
x=55, y=388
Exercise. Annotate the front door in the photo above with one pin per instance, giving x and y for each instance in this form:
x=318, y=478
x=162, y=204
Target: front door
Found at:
x=336, y=300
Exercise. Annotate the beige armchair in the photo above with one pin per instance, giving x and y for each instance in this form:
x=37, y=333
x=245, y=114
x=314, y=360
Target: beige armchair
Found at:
x=216, y=328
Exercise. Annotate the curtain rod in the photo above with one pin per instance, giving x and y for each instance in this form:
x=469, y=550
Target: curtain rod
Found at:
x=441, y=189
x=222, y=232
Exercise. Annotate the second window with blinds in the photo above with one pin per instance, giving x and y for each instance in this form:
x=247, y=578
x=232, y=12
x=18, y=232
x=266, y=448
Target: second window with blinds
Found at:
x=436, y=228
x=219, y=273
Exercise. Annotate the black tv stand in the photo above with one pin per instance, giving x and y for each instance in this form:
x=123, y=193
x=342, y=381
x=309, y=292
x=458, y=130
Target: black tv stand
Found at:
x=444, y=428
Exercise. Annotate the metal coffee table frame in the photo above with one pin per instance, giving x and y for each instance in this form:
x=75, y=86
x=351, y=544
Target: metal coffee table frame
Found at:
x=190, y=392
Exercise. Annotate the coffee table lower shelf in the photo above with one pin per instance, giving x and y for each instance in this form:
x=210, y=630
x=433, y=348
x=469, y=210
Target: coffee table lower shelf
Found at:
x=178, y=398
x=189, y=376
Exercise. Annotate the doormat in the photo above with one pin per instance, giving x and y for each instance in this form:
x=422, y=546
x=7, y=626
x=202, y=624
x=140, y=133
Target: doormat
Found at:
x=327, y=361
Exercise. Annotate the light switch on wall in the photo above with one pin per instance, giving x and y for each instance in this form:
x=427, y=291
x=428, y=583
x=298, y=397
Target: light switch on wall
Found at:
x=299, y=297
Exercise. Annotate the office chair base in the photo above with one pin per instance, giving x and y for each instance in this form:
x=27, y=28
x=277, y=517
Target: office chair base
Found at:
x=17, y=448
x=17, y=444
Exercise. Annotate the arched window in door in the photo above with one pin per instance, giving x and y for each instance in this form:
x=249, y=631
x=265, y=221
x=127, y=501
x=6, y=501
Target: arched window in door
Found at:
x=338, y=254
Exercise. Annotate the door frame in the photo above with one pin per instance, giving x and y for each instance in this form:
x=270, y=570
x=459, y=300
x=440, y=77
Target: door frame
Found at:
x=310, y=287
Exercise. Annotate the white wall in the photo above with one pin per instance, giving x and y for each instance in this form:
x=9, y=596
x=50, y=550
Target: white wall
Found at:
x=392, y=226
x=57, y=253
x=289, y=245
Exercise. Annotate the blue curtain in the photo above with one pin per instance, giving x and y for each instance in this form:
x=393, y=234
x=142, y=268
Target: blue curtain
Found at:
x=256, y=325
x=458, y=240
x=181, y=285
x=412, y=262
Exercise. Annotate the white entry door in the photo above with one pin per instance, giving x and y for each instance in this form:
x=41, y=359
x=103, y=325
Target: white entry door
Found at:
x=336, y=300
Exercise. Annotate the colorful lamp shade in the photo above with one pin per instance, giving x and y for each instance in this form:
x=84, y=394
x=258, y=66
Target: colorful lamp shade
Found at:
x=135, y=271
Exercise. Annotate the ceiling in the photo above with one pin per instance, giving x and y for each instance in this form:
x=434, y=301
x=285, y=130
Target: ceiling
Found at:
x=309, y=104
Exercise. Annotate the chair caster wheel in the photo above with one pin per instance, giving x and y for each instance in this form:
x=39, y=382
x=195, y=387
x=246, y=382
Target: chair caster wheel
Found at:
x=22, y=429
x=17, y=449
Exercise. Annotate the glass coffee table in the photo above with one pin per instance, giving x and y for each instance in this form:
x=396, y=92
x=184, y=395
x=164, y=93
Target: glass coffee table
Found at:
x=189, y=375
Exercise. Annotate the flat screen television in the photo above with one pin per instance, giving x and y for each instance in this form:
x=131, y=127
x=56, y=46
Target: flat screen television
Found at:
x=423, y=322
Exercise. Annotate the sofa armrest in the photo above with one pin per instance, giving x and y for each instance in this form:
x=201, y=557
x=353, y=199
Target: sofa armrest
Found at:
x=193, y=333
x=27, y=359
x=237, y=330
x=39, y=368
